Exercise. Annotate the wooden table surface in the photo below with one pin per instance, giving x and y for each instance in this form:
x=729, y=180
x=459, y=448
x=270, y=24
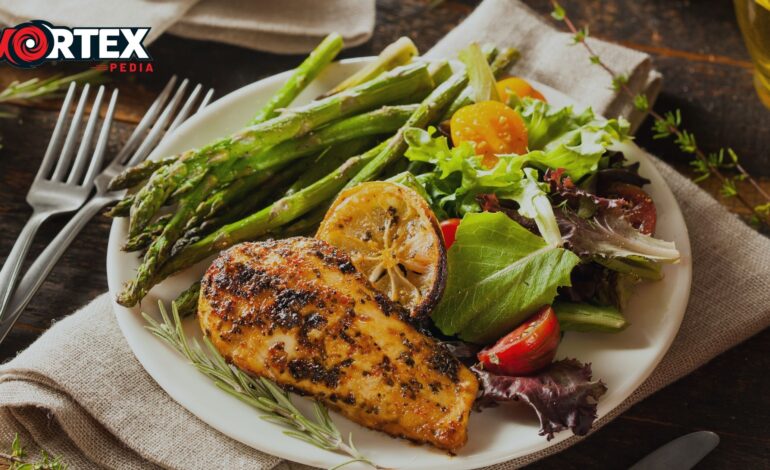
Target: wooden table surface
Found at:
x=695, y=44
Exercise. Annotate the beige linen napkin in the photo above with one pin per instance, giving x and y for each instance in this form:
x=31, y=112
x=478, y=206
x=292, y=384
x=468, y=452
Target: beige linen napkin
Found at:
x=285, y=26
x=157, y=15
x=80, y=393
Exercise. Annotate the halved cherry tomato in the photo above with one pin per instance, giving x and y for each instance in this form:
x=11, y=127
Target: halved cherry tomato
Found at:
x=527, y=349
x=492, y=126
x=449, y=230
x=519, y=87
x=642, y=213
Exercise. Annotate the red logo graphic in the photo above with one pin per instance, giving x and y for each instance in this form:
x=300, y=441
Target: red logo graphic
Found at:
x=26, y=45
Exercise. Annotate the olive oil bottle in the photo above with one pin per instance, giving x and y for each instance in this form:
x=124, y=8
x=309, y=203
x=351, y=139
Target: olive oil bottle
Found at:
x=754, y=20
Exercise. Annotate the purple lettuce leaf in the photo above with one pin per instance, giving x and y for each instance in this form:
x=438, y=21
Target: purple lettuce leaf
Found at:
x=609, y=234
x=563, y=395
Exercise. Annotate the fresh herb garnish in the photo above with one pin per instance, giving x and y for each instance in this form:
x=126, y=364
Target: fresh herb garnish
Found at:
x=36, y=88
x=260, y=393
x=19, y=461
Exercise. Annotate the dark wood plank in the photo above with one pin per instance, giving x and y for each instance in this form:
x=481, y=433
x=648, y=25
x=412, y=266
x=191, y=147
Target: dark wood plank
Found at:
x=695, y=44
x=80, y=274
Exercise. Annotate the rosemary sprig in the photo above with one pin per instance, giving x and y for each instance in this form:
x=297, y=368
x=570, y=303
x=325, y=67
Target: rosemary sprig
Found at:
x=669, y=125
x=36, y=88
x=264, y=395
x=18, y=459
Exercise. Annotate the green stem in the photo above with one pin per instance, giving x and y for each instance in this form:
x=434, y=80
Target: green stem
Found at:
x=428, y=111
x=397, y=53
x=321, y=56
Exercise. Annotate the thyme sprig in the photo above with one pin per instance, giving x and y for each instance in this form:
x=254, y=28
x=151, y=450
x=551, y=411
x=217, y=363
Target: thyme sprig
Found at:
x=669, y=125
x=260, y=393
x=19, y=461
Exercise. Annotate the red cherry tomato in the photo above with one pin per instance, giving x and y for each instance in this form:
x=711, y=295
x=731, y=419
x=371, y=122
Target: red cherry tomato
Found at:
x=642, y=213
x=527, y=349
x=449, y=230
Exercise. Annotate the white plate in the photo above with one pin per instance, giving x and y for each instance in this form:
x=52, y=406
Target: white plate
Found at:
x=622, y=360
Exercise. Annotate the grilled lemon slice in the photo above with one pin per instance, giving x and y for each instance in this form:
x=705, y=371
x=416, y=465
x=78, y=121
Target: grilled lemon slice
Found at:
x=394, y=239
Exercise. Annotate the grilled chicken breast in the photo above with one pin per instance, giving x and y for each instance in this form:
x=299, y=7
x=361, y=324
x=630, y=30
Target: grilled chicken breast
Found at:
x=297, y=312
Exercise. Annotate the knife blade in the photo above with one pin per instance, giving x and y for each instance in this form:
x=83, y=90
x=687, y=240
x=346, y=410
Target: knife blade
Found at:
x=680, y=454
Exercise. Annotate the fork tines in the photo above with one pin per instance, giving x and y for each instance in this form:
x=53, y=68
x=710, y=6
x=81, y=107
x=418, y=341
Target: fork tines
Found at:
x=157, y=122
x=63, y=146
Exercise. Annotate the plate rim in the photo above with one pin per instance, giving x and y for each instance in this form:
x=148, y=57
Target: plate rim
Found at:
x=115, y=238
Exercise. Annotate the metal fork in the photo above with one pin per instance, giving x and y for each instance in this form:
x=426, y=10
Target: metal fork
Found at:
x=68, y=187
x=137, y=148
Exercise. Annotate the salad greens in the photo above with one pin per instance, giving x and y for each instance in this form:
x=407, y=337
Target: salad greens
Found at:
x=533, y=202
x=564, y=140
x=459, y=175
x=560, y=139
x=609, y=235
x=505, y=265
x=480, y=75
x=499, y=274
x=563, y=395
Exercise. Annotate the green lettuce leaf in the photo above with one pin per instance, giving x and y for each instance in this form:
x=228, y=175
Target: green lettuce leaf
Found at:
x=459, y=175
x=546, y=123
x=533, y=202
x=480, y=76
x=499, y=274
x=558, y=138
x=408, y=179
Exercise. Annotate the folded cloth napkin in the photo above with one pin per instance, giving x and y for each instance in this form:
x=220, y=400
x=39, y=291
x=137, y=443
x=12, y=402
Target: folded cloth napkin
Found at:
x=286, y=27
x=78, y=391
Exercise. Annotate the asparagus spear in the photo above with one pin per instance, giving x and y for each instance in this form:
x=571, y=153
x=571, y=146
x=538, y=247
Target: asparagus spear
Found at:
x=246, y=206
x=134, y=175
x=192, y=165
x=321, y=56
x=398, y=53
x=428, y=111
x=500, y=63
x=308, y=224
x=144, y=239
x=122, y=208
x=250, y=169
x=187, y=302
x=283, y=211
x=318, y=59
x=327, y=161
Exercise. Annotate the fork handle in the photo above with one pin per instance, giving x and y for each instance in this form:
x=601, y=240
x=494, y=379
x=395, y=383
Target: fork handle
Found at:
x=10, y=272
x=42, y=266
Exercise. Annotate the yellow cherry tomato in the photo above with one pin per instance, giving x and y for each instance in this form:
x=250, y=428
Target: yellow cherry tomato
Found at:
x=519, y=87
x=493, y=127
